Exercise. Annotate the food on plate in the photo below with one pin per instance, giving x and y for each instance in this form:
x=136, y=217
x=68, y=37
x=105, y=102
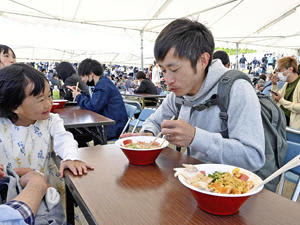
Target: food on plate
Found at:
x=236, y=182
x=140, y=144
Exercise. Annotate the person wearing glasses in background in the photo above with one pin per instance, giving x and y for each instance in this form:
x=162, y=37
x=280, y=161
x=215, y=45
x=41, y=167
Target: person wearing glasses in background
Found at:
x=7, y=56
x=288, y=97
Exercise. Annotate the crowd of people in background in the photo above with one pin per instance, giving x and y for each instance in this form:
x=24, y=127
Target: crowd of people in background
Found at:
x=131, y=79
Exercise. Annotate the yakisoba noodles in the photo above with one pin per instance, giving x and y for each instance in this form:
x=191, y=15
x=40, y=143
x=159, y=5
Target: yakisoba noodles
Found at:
x=236, y=182
x=140, y=144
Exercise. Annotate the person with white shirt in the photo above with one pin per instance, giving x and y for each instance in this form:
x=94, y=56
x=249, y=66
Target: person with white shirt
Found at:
x=156, y=74
x=28, y=130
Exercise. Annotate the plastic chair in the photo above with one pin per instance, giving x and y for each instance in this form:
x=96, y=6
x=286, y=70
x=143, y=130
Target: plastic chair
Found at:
x=137, y=123
x=293, y=135
x=135, y=103
x=131, y=110
x=292, y=175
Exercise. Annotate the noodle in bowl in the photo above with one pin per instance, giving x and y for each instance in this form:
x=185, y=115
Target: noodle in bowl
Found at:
x=141, y=156
x=217, y=203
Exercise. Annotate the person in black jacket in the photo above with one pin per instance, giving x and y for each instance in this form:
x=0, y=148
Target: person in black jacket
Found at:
x=146, y=86
x=68, y=74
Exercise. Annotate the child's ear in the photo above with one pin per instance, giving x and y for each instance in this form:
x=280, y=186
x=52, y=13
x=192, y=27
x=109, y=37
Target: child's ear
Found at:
x=17, y=110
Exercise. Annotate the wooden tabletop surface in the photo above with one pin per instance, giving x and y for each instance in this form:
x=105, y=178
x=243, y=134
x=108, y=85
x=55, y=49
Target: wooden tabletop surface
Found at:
x=75, y=117
x=119, y=193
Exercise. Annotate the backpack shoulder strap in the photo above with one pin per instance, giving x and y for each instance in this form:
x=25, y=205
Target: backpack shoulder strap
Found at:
x=200, y=107
x=223, y=94
x=178, y=102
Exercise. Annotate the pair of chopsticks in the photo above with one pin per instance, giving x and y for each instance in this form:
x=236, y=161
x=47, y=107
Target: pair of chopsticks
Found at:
x=158, y=135
x=76, y=90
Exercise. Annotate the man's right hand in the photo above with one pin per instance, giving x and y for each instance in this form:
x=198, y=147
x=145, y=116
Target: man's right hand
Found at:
x=135, y=134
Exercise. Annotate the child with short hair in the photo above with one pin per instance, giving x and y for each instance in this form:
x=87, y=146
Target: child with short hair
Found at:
x=28, y=129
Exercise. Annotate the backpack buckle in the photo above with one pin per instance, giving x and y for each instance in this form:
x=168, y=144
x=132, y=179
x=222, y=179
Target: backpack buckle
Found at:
x=223, y=115
x=200, y=107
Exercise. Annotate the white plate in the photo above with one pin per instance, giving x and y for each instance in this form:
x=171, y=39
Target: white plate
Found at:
x=59, y=100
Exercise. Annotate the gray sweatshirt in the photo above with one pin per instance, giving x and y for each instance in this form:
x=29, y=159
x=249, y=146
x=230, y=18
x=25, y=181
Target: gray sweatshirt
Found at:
x=245, y=146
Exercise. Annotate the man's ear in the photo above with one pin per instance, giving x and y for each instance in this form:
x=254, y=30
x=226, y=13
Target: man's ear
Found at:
x=203, y=59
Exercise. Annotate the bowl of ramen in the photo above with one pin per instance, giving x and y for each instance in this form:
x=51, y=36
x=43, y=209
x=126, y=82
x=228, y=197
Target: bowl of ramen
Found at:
x=219, y=189
x=141, y=150
x=54, y=106
x=61, y=103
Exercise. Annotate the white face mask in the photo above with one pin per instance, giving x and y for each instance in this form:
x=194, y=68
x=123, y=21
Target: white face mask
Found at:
x=281, y=76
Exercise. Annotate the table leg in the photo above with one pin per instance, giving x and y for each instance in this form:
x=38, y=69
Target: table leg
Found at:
x=69, y=206
x=104, y=135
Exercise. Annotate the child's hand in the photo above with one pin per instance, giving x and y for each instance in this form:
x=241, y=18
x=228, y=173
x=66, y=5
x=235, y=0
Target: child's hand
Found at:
x=77, y=167
x=2, y=174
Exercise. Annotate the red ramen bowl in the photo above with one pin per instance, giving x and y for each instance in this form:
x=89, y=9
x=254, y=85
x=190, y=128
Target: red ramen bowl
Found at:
x=145, y=155
x=54, y=106
x=61, y=103
x=221, y=204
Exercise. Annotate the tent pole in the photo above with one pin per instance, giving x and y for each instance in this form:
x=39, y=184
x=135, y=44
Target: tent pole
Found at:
x=142, y=48
x=237, y=56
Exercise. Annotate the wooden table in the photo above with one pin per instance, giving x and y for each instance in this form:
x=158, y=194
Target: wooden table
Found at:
x=75, y=117
x=143, y=97
x=119, y=193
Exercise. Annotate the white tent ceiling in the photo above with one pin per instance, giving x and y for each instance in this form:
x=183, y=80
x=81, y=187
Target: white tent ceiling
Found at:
x=110, y=31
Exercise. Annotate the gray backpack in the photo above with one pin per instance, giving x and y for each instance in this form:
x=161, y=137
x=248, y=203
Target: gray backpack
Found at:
x=273, y=119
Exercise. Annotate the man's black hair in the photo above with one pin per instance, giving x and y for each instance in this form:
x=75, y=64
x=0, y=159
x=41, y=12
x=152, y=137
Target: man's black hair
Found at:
x=13, y=81
x=223, y=56
x=65, y=70
x=87, y=66
x=189, y=38
x=140, y=75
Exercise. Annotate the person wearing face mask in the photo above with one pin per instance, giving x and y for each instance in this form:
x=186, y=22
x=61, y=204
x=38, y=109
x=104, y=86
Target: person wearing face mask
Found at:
x=7, y=56
x=288, y=97
x=105, y=99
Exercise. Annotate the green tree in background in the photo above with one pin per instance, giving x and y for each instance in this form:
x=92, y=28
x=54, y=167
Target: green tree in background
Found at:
x=232, y=51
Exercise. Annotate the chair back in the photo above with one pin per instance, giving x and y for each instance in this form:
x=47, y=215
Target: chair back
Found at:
x=293, y=135
x=142, y=117
x=145, y=114
x=135, y=103
x=292, y=151
x=131, y=110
